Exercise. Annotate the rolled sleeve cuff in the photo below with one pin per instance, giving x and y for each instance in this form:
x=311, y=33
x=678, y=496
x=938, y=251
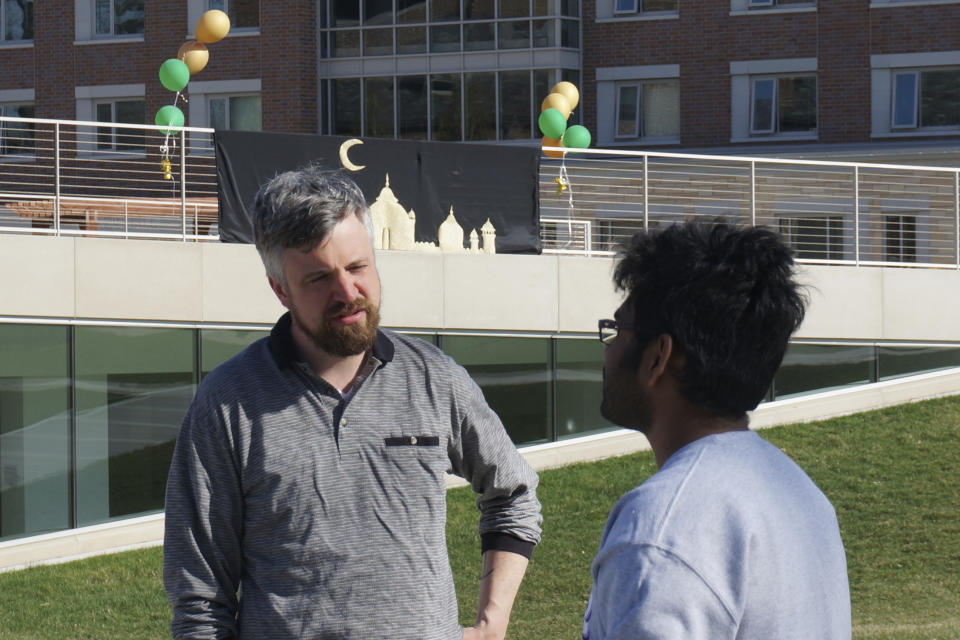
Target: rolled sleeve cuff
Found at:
x=495, y=541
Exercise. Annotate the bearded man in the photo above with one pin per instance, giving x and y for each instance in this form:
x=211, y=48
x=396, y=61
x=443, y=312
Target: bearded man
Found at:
x=306, y=496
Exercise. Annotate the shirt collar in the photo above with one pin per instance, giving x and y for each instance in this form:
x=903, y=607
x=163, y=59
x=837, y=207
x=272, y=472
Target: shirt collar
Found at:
x=285, y=352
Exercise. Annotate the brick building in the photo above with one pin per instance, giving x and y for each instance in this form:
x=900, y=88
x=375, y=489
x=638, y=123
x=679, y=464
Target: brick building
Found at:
x=442, y=70
x=853, y=77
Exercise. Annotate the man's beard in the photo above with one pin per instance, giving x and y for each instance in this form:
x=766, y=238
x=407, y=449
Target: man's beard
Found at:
x=343, y=340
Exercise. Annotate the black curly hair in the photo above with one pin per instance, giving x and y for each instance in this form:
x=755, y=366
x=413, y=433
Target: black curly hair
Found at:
x=728, y=298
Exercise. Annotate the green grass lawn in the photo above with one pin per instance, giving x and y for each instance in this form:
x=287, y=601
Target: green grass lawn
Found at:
x=893, y=476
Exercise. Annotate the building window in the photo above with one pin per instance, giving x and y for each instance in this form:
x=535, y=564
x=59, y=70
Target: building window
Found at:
x=638, y=103
x=926, y=99
x=118, y=139
x=783, y=105
x=648, y=109
x=408, y=27
x=814, y=238
x=16, y=16
x=118, y=17
x=769, y=4
x=17, y=138
x=244, y=14
x=485, y=105
x=900, y=238
x=237, y=113
x=641, y=7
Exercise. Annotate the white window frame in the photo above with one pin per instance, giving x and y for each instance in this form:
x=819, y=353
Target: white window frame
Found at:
x=914, y=100
x=610, y=80
x=19, y=98
x=745, y=7
x=85, y=25
x=226, y=97
x=4, y=153
x=755, y=129
x=639, y=130
x=199, y=111
x=112, y=102
x=196, y=8
x=608, y=10
x=742, y=77
x=3, y=29
x=88, y=97
x=885, y=71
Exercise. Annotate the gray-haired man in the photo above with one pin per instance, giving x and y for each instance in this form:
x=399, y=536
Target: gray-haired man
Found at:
x=309, y=471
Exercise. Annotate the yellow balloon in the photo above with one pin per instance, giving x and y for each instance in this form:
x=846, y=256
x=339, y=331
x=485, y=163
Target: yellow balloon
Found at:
x=212, y=26
x=550, y=142
x=569, y=90
x=195, y=55
x=556, y=101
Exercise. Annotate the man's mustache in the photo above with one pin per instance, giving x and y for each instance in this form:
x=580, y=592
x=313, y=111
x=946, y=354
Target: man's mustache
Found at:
x=348, y=308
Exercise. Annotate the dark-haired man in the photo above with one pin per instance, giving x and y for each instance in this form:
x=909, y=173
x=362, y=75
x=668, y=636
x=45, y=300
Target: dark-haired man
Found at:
x=306, y=496
x=729, y=538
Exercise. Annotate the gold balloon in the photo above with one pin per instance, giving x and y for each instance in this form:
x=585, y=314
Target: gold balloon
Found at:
x=550, y=142
x=195, y=55
x=213, y=26
x=569, y=91
x=557, y=101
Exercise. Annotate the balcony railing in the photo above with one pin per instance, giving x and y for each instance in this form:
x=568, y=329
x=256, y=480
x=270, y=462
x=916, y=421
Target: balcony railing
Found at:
x=85, y=178
x=829, y=212
x=94, y=179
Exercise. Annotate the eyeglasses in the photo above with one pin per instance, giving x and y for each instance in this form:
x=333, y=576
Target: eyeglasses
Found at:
x=609, y=330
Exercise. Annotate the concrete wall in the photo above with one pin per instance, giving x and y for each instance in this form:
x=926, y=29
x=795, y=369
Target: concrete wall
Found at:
x=131, y=280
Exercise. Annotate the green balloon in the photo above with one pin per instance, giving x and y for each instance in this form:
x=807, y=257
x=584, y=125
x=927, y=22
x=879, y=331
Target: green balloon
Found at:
x=576, y=137
x=174, y=74
x=169, y=116
x=552, y=123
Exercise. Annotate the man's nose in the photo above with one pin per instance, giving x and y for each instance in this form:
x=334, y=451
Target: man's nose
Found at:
x=347, y=289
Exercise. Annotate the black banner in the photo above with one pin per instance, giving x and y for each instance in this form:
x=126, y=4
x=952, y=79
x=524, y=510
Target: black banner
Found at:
x=479, y=181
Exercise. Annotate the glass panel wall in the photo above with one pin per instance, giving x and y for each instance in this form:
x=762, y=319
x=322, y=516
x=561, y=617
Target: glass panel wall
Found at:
x=133, y=386
x=515, y=376
x=219, y=345
x=89, y=415
x=809, y=367
x=34, y=429
x=895, y=362
x=579, y=387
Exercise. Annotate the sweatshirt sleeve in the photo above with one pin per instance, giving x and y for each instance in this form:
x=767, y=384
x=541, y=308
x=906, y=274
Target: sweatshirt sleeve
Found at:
x=644, y=592
x=482, y=453
x=203, y=527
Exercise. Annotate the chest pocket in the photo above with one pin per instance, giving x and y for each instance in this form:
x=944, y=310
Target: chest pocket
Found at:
x=412, y=441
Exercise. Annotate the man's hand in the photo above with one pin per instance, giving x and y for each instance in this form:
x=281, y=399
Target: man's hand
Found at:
x=502, y=573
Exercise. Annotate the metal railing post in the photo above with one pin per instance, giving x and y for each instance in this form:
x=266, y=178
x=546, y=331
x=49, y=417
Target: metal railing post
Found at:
x=956, y=215
x=56, y=178
x=183, y=182
x=646, y=196
x=588, y=237
x=856, y=214
x=753, y=193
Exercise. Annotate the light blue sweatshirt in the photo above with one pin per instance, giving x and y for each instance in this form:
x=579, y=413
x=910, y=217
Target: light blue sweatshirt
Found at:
x=730, y=539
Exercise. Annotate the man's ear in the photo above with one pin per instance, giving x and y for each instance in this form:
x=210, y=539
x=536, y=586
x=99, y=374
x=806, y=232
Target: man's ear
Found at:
x=656, y=357
x=280, y=292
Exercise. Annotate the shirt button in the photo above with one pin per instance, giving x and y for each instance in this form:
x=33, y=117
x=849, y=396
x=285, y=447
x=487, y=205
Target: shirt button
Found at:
x=344, y=421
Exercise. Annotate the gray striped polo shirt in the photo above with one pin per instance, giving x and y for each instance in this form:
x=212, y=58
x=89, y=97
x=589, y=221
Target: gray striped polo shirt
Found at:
x=328, y=515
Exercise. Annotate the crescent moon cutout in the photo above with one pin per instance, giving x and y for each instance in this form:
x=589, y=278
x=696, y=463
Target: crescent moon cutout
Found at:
x=345, y=159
